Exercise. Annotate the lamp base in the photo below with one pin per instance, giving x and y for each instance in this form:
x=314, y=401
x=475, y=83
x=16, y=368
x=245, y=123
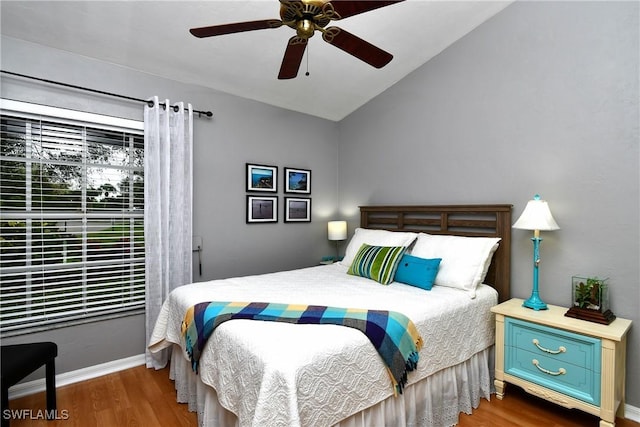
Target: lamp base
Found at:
x=534, y=302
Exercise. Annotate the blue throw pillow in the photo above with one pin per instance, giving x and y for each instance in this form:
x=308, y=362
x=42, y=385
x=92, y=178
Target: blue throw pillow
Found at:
x=420, y=272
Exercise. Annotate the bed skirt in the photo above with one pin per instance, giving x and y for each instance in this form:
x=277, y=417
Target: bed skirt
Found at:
x=436, y=401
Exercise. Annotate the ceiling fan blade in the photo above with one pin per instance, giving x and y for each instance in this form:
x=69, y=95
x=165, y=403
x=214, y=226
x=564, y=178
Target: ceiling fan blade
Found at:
x=292, y=58
x=346, y=8
x=357, y=47
x=218, y=30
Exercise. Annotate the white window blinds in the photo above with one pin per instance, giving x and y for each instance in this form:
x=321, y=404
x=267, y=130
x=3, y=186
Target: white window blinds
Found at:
x=71, y=216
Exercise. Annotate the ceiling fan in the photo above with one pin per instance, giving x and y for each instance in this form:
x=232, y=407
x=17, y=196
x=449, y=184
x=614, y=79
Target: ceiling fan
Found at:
x=307, y=17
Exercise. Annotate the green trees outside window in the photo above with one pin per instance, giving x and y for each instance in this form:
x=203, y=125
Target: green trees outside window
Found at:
x=71, y=221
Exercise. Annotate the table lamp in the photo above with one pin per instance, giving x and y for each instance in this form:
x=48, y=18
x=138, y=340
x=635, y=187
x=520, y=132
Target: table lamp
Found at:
x=337, y=231
x=536, y=216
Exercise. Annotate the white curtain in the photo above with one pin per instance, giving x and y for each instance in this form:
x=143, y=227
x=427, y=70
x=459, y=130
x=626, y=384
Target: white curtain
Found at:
x=168, y=198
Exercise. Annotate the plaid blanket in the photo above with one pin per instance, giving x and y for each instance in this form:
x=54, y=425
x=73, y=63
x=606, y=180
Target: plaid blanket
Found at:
x=393, y=335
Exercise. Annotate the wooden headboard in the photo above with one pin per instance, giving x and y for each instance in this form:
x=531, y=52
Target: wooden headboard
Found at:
x=458, y=220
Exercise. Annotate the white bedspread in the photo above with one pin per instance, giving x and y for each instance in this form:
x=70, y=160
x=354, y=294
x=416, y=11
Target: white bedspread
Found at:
x=271, y=373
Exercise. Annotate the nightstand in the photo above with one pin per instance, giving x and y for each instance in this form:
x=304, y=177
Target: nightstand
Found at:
x=570, y=362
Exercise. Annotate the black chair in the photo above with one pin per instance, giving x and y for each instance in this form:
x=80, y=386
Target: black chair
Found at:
x=18, y=361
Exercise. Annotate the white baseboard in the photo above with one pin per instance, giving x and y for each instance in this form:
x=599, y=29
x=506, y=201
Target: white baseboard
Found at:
x=36, y=386
x=632, y=413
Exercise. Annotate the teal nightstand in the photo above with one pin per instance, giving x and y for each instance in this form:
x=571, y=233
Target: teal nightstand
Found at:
x=571, y=362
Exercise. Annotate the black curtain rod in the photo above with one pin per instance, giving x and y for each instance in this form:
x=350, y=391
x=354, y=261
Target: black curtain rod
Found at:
x=150, y=103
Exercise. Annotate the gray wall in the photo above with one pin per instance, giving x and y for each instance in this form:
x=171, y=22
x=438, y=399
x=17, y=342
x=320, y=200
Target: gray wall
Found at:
x=241, y=131
x=541, y=98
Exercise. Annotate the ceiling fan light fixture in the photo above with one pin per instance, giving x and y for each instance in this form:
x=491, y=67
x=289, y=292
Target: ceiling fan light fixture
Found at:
x=305, y=28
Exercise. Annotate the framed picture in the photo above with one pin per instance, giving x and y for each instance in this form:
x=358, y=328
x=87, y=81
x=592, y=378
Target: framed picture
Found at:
x=297, y=209
x=262, y=209
x=262, y=178
x=297, y=181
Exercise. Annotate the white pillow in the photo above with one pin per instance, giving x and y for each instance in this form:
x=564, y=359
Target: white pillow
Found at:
x=375, y=238
x=465, y=260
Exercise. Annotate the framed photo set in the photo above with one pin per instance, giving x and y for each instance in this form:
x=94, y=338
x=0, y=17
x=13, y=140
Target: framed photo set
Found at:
x=262, y=209
x=297, y=209
x=262, y=178
x=297, y=181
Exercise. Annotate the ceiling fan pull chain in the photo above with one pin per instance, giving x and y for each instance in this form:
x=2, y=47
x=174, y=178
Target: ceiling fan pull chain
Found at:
x=308, y=49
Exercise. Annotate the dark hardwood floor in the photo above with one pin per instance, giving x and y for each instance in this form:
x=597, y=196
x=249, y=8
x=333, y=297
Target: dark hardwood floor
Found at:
x=519, y=408
x=145, y=397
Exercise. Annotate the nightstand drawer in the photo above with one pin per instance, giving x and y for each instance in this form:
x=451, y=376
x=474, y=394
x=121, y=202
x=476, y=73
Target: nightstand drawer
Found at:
x=563, y=377
x=559, y=360
x=579, y=350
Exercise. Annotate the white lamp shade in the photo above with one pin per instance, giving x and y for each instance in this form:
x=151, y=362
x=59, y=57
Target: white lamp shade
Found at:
x=337, y=230
x=536, y=216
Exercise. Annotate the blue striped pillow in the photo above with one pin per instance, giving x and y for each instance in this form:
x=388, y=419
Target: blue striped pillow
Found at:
x=378, y=263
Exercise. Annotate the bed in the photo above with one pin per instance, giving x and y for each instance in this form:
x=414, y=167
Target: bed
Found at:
x=254, y=373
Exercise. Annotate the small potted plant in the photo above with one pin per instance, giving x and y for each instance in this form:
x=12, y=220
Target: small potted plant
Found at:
x=590, y=300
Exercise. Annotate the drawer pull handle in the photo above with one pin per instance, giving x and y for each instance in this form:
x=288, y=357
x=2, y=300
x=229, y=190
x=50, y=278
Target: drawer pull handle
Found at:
x=560, y=371
x=560, y=349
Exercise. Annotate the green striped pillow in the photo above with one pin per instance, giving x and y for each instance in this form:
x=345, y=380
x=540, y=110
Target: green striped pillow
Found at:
x=377, y=262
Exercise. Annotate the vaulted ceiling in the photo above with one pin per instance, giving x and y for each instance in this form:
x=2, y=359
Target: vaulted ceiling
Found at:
x=153, y=36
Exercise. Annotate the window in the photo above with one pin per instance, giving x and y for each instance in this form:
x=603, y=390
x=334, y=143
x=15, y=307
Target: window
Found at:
x=71, y=216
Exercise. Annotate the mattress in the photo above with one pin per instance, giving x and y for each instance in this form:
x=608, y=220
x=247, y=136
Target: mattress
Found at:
x=270, y=373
